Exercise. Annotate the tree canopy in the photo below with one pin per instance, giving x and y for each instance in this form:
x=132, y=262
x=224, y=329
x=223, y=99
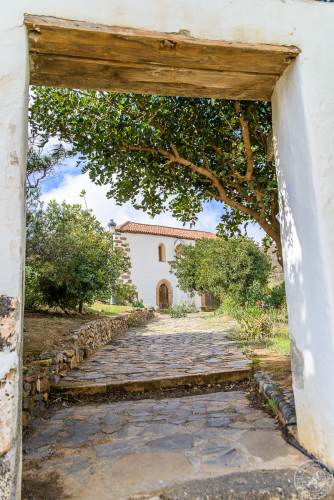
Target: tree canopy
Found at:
x=169, y=152
x=222, y=267
x=70, y=257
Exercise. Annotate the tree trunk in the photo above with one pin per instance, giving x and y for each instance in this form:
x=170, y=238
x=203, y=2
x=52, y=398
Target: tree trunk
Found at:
x=81, y=304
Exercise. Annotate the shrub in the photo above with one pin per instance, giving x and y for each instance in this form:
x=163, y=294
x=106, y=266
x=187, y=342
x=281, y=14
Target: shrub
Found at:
x=125, y=293
x=181, y=310
x=256, y=293
x=230, y=307
x=138, y=304
x=276, y=296
x=256, y=326
x=33, y=296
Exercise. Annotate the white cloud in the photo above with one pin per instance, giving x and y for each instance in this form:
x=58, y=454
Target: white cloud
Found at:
x=106, y=209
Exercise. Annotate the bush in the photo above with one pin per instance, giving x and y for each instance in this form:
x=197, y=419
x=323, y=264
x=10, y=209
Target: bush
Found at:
x=255, y=323
x=33, y=295
x=230, y=307
x=276, y=296
x=256, y=327
x=138, y=304
x=256, y=293
x=181, y=310
x=125, y=293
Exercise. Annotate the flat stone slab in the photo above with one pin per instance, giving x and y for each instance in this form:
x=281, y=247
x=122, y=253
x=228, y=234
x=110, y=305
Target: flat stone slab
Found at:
x=166, y=353
x=120, y=450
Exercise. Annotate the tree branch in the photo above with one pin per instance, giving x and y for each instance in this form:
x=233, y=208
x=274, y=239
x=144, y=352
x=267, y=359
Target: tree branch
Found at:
x=247, y=143
x=215, y=181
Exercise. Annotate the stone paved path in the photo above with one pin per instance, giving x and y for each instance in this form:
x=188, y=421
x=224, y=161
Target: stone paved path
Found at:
x=165, y=353
x=118, y=450
x=184, y=446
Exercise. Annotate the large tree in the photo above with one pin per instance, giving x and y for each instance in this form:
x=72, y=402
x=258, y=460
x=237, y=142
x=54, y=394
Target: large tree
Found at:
x=170, y=153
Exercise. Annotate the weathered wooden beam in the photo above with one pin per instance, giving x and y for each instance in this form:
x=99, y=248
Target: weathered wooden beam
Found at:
x=85, y=55
x=53, y=70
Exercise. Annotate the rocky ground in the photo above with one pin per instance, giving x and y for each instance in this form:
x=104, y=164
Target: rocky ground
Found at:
x=203, y=442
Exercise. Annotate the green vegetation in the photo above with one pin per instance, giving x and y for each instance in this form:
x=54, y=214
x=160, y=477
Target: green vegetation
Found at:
x=234, y=268
x=108, y=309
x=236, y=272
x=70, y=258
x=271, y=404
x=169, y=152
x=258, y=325
x=281, y=342
x=181, y=310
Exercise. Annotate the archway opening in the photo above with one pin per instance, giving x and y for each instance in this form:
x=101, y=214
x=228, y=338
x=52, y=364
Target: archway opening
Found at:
x=164, y=294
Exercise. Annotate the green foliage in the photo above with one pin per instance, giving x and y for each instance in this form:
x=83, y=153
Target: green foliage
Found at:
x=138, y=304
x=256, y=326
x=169, y=152
x=230, y=307
x=108, y=309
x=72, y=254
x=276, y=296
x=256, y=323
x=226, y=268
x=256, y=293
x=181, y=310
x=33, y=297
x=271, y=404
x=125, y=293
x=41, y=162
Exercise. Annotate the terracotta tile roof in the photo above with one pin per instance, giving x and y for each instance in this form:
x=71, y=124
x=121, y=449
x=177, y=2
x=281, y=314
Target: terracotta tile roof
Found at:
x=186, y=234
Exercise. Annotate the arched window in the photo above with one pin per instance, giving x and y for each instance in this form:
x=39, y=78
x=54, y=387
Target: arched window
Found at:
x=178, y=250
x=162, y=253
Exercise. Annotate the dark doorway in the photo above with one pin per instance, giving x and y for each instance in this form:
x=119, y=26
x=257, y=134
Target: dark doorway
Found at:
x=163, y=296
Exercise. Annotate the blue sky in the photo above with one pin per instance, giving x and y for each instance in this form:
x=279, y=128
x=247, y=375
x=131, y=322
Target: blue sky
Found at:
x=68, y=182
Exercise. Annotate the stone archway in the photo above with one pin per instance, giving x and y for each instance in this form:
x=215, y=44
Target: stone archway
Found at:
x=164, y=294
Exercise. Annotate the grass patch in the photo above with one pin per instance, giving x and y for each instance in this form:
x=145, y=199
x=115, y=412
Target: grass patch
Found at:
x=258, y=327
x=280, y=343
x=271, y=404
x=108, y=309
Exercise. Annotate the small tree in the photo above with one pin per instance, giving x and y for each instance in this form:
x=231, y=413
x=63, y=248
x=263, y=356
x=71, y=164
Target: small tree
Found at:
x=222, y=267
x=72, y=256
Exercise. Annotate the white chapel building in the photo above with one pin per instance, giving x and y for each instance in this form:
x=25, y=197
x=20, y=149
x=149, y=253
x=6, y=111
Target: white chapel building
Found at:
x=150, y=248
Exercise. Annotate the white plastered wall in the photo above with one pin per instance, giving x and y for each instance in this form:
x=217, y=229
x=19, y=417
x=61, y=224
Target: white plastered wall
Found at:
x=147, y=271
x=303, y=121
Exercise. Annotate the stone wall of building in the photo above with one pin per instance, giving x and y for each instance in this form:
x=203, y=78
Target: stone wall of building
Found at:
x=42, y=373
x=122, y=244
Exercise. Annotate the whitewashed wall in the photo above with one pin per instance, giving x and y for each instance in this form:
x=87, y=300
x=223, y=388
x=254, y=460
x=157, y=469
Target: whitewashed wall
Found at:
x=147, y=271
x=304, y=134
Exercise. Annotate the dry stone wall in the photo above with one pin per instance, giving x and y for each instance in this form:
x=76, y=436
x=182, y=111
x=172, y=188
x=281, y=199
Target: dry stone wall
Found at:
x=48, y=369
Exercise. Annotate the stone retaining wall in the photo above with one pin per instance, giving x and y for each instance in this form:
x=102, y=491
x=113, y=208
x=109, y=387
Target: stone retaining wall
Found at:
x=41, y=373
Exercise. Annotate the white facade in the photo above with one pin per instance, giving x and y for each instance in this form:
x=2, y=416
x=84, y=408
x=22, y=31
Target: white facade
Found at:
x=147, y=271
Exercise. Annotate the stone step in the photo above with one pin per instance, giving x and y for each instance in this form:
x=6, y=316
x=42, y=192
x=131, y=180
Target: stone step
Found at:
x=249, y=485
x=110, y=386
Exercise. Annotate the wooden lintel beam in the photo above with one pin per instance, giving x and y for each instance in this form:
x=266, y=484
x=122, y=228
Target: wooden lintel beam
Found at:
x=53, y=70
x=71, y=53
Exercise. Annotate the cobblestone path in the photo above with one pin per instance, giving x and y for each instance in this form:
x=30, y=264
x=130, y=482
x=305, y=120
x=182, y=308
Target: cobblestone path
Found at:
x=118, y=450
x=185, y=446
x=165, y=353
